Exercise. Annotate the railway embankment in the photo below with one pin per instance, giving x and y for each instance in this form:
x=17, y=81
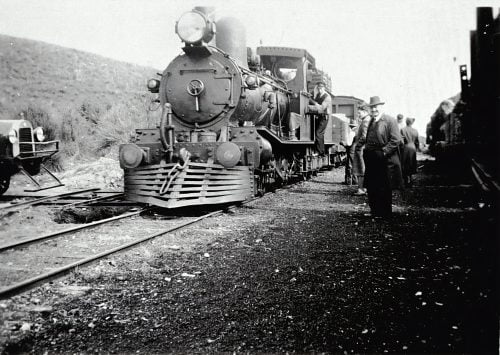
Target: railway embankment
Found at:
x=303, y=269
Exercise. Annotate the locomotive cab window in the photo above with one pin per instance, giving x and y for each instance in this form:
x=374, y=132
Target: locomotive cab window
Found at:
x=287, y=74
x=285, y=70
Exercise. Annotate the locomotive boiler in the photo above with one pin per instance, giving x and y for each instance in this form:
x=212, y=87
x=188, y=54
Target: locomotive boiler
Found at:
x=232, y=122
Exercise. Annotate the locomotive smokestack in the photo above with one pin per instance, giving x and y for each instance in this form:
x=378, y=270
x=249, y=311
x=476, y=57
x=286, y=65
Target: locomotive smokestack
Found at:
x=231, y=38
x=206, y=10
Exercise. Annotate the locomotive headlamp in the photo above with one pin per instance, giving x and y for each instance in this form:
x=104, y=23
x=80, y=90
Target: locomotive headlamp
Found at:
x=13, y=136
x=154, y=86
x=194, y=27
x=38, y=132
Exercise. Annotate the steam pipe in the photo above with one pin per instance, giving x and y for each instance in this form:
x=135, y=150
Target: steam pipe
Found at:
x=167, y=131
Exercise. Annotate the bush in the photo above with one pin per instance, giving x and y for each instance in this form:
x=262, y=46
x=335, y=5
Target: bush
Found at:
x=77, y=135
x=117, y=125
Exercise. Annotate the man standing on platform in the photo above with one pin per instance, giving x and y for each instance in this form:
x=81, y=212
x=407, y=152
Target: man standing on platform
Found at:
x=409, y=152
x=350, y=178
x=322, y=106
x=359, y=147
x=382, y=161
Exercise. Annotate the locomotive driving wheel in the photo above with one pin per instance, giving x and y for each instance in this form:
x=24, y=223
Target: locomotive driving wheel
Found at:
x=283, y=168
x=264, y=182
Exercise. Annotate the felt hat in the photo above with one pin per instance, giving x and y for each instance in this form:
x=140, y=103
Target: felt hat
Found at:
x=375, y=101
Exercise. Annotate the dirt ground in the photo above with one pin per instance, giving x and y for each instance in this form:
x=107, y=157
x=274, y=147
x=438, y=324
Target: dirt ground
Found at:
x=300, y=270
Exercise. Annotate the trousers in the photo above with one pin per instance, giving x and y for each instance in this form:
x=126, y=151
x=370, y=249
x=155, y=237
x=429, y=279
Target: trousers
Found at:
x=377, y=183
x=321, y=124
x=350, y=178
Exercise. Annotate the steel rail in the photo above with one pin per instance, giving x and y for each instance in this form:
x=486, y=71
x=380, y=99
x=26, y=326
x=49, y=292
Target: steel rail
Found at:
x=479, y=180
x=485, y=181
x=46, y=198
x=27, y=241
x=96, y=199
x=25, y=285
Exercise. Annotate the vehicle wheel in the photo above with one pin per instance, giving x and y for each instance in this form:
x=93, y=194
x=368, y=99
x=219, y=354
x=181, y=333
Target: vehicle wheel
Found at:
x=4, y=184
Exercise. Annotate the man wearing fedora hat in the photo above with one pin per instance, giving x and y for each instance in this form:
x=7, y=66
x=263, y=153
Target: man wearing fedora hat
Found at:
x=382, y=161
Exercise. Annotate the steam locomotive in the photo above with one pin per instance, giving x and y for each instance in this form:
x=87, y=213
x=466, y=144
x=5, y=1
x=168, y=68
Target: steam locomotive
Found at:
x=233, y=121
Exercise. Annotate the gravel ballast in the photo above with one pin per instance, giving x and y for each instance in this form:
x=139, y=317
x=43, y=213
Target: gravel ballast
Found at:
x=304, y=269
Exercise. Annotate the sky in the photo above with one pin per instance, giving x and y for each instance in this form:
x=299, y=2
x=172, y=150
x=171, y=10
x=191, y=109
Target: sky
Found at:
x=407, y=52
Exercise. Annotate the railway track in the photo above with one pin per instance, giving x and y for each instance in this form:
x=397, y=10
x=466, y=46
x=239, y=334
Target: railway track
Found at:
x=81, y=244
x=488, y=184
x=68, y=199
x=77, y=246
x=38, y=200
x=42, y=237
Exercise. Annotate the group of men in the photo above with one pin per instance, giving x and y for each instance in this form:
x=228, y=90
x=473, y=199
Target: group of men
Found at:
x=375, y=152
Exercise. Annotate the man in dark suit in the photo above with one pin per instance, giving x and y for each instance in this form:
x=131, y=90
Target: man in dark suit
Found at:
x=382, y=161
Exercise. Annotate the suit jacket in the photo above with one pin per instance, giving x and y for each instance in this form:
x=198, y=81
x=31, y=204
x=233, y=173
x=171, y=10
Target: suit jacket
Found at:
x=410, y=136
x=385, y=135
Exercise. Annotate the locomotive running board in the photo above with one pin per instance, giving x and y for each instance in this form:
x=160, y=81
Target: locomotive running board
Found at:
x=40, y=188
x=268, y=134
x=172, y=186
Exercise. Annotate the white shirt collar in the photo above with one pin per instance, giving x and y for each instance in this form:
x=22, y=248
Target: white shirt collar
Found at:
x=378, y=116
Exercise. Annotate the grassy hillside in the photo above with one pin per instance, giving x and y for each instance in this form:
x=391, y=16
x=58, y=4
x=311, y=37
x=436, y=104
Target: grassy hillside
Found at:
x=90, y=102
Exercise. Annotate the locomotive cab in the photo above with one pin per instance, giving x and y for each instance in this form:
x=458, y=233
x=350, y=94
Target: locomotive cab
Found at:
x=297, y=68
